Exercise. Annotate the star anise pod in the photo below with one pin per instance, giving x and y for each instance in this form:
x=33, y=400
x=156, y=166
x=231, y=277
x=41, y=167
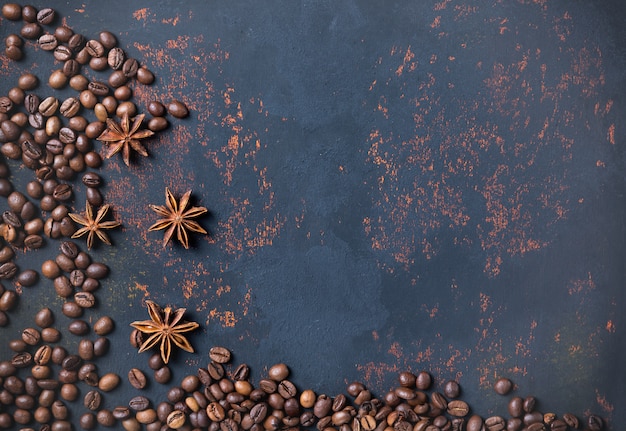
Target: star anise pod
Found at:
x=176, y=217
x=164, y=328
x=124, y=137
x=93, y=226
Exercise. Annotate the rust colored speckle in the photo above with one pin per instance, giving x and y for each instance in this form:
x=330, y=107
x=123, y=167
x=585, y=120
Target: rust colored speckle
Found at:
x=141, y=14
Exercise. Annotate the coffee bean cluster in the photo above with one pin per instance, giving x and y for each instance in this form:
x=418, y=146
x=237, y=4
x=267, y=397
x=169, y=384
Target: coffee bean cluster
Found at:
x=222, y=397
x=43, y=377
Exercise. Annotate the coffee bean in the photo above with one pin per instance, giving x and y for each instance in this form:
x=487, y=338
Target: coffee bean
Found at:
x=502, y=386
x=105, y=418
x=97, y=270
x=458, y=408
x=158, y=124
x=69, y=107
x=146, y=416
x=48, y=42
x=145, y=76
x=46, y=16
x=22, y=359
x=31, y=30
x=42, y=355
x=92, y=179
x=137, y=378
x=84, y=299
x=31, y=336
x=72, y=310
x=176, y=419
x=12, y=11
x=78, y=327
x=571, y=420
x=130, y=67
x=121, y=413
x=139, y=403
x=87, y=421
x=163, y=375
x=108, y=39
x=50, y=335
x=92, y=400
x=108, y=382
x=529, y=404
x=221, y=355
x=94, y=197
x=177, y=109
x=595, y=423
x=14, y=52
x=98, y=88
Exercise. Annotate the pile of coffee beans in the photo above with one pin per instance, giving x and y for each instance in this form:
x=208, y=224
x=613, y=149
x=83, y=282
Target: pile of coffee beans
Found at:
x=43, y=380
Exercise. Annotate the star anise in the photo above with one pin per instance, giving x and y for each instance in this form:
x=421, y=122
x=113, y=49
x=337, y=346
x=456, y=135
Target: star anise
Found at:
x=93, y=226
x=164, y=327
x=124, y=137
x=176, y=217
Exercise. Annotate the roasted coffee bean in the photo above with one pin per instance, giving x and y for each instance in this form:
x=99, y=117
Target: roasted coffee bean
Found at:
x=108, y=382
x=78, y=327
x=105, y=418
x=43, y=355
x=163, y=375
x=12, y=11
x=95, y=48
x=495, y=423
x=31, y=30
x=50, y=335
x=92, y=400
x=108, y=39
x=84, y=299
x=44, y=318
x=31, y=336
x=92, y=179
x=278, y=372
x=502, y=386
x=103, y=326
x=94, y=197
x=458, y=408
x=158, y=124
x=529, y=404
x=97, y=270
x=121, y=412
x=130, y=67
x=98, y=88
x=146, y=416
x=22, y=359
x=595, y=423
x=69, y=248
x=62, y=192
x=145, y=76
x=100, y=346
x=287, y=389
x=176, y=419
x=14, y=52
x=322, y=406
x=62, y=52
x=10, y=129
x=98, y=63
x=69, y=107
x=85, y=349
x=48, y=106
x=137, y=378
x=46, y=16
x=571, y=420
x=116, y=58
x=71, y=362
x=177, y=109
x=139, y=403
x=77, y=278
x=47, y=42
x=8, y=270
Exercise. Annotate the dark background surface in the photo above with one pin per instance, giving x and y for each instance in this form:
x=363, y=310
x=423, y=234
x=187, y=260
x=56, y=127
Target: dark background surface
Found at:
x=422, y=186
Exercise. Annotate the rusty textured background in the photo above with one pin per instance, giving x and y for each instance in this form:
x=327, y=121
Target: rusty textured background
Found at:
x=415, y=185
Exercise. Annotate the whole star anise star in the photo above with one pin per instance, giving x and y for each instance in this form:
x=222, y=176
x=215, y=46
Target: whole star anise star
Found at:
x=93, y=226
x=124, y=137
x=164, y=328
x=176, y=217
